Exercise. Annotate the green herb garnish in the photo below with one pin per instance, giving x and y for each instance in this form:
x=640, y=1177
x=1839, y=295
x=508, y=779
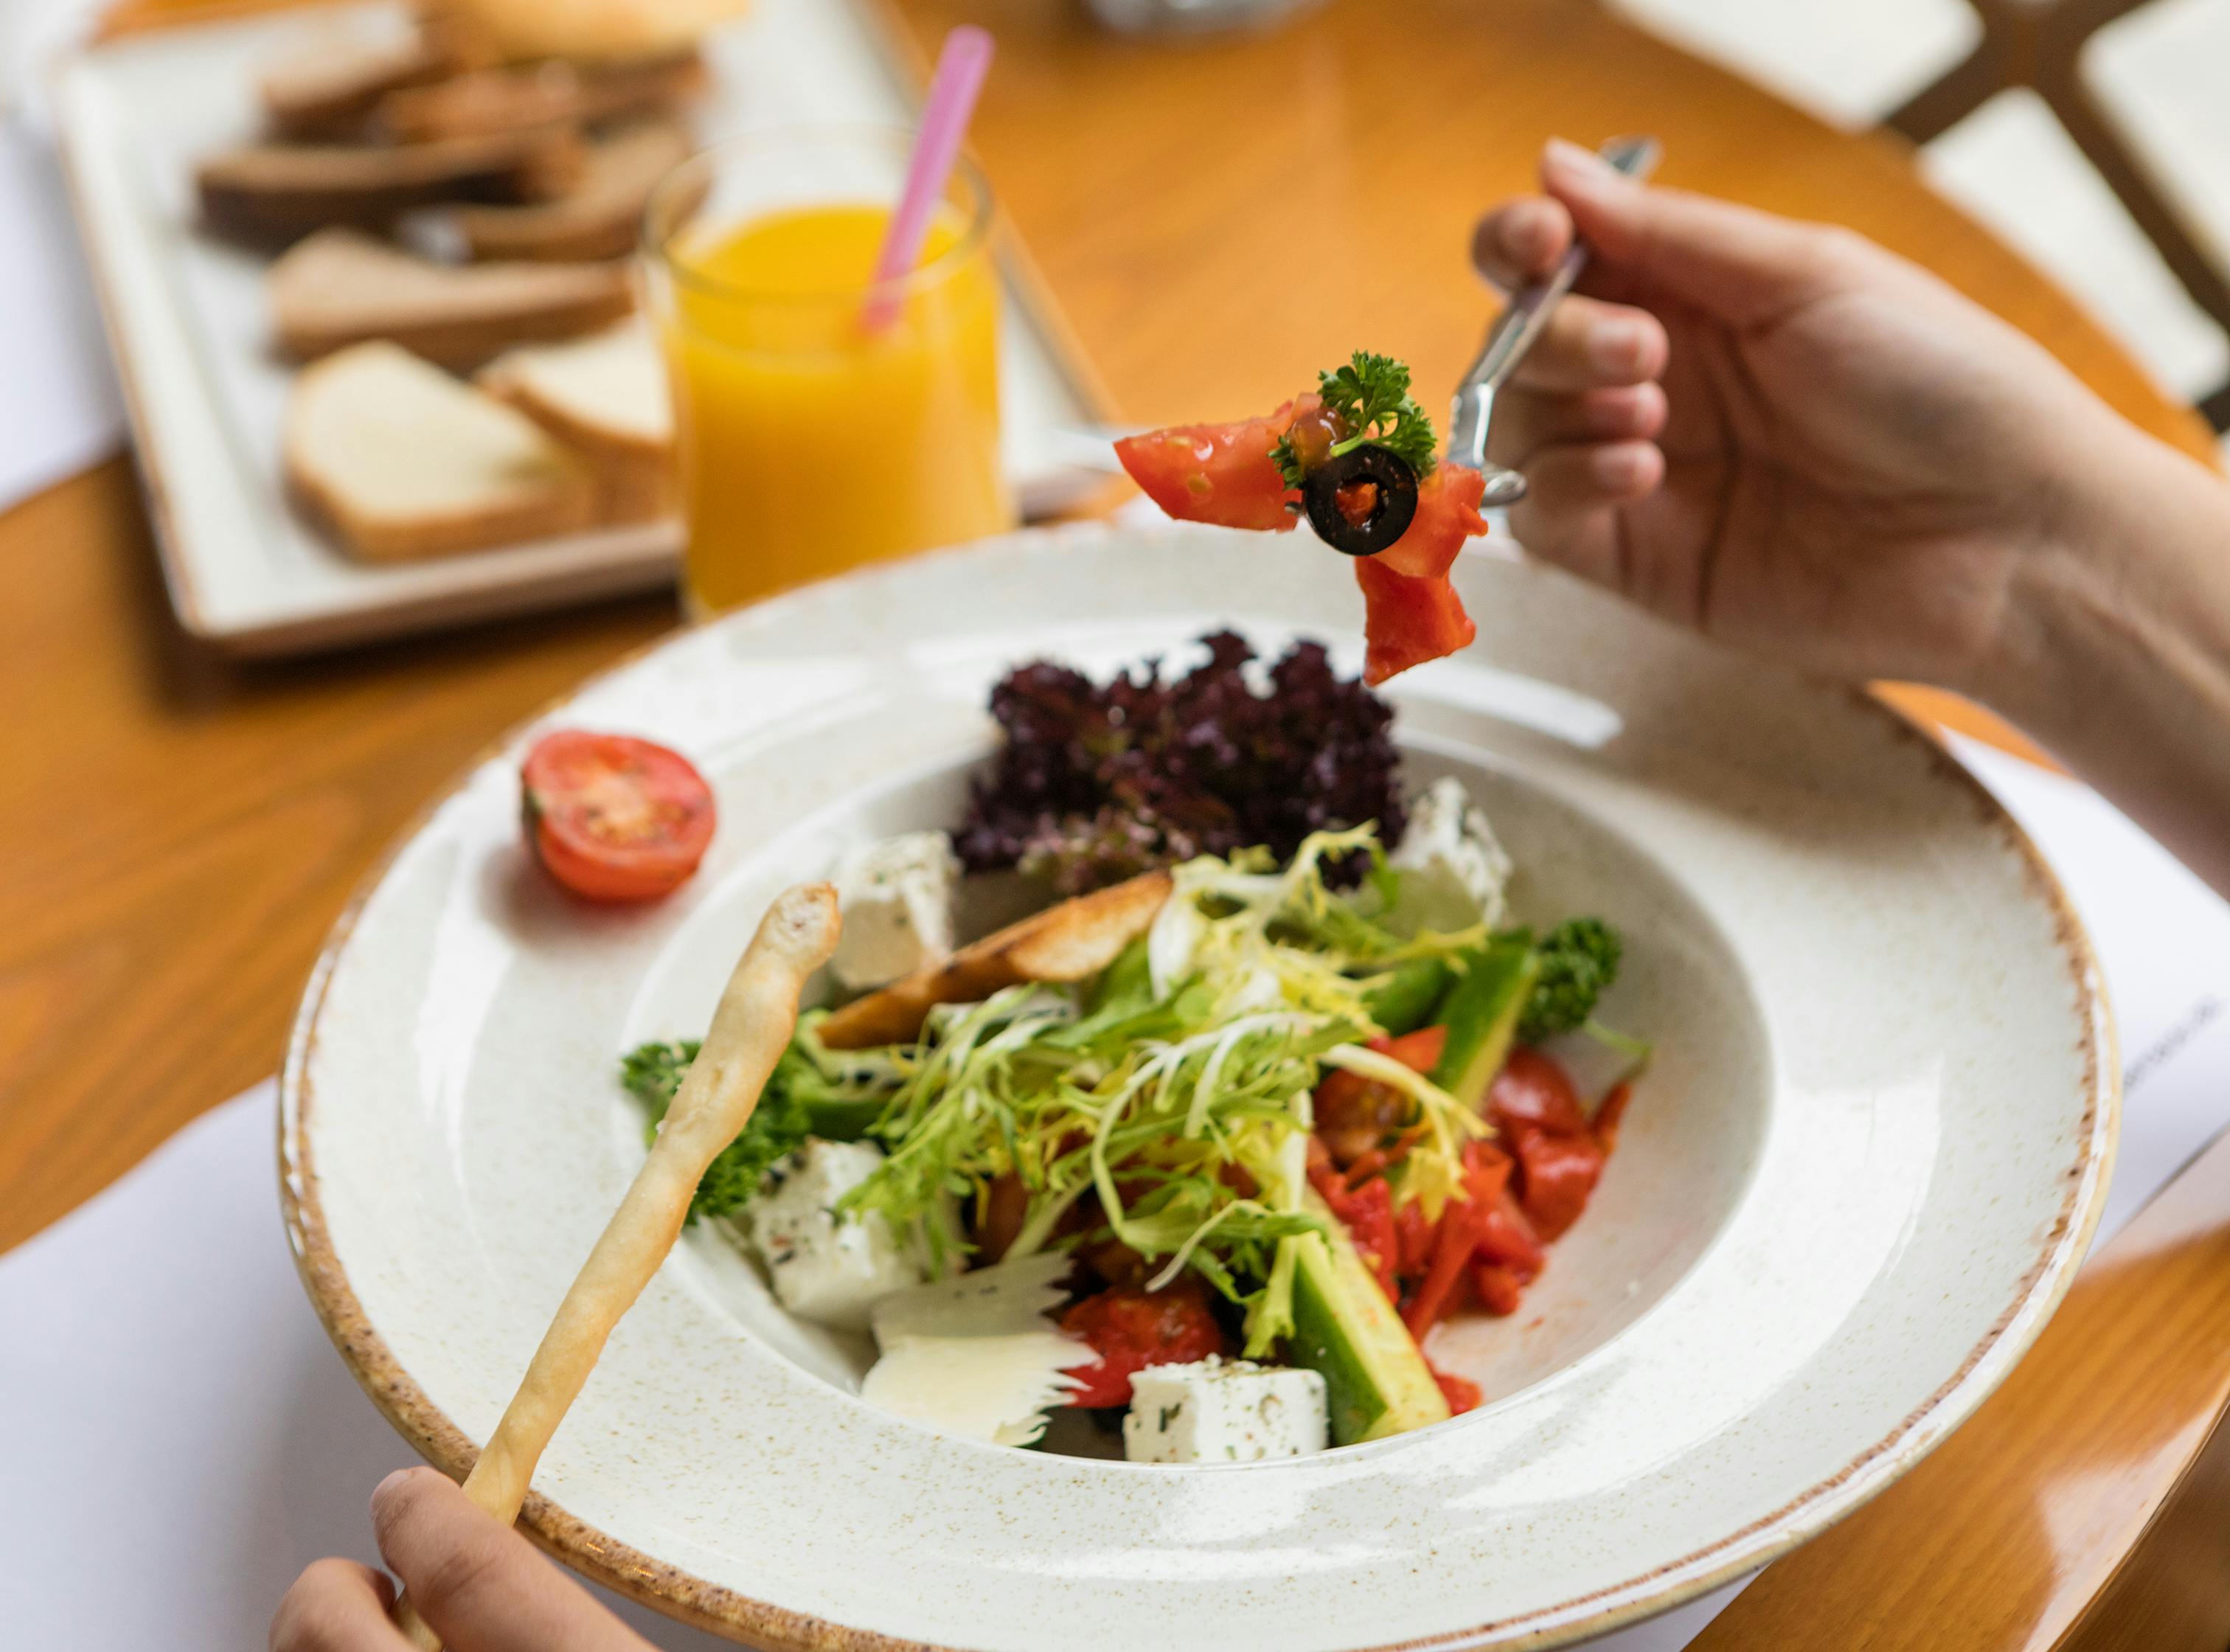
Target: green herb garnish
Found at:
x=1579, y=960
x=1370, y=398
x=652, y=1073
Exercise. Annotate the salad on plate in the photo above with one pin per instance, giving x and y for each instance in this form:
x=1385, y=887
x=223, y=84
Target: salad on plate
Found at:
x=1205, y=1147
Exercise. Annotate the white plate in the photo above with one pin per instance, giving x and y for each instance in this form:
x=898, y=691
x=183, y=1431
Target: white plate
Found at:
x=1848, y=1194
x=187, y=317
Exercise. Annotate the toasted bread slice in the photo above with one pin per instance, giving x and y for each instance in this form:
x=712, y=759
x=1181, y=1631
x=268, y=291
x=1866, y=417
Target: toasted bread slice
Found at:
x=1068, y=942
x=605, y=396
x=402, y=461
x=340, y=288
x=330, y=88
x=277, y=191
x=330, y=91
x=602, y=30
x=601, y=217
x=526, y=95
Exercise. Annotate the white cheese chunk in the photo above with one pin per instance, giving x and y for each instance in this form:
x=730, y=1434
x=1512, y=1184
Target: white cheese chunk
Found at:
x=995, y=1387
x=1454, y=873
x=1224, y=1411
x=975, y=1355
x=829, y=1271
x=896, y=899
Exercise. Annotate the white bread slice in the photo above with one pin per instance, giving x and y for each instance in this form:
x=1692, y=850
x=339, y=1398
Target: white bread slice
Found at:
x=339, y=287
x=605, y=396
x=601, y=216
x=403, y=462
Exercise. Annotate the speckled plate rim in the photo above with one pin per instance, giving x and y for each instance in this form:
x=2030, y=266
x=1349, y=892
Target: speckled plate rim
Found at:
x=691, y=1599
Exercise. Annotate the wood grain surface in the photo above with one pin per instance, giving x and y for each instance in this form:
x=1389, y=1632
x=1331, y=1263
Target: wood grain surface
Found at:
x=2022, y=1532
x=1218, y=219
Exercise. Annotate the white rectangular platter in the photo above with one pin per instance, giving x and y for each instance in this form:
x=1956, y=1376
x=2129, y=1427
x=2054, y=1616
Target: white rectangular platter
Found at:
x=186, y=315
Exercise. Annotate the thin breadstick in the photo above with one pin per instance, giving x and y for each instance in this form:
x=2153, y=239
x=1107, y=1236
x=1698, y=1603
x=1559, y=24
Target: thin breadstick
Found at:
x=750, y=1029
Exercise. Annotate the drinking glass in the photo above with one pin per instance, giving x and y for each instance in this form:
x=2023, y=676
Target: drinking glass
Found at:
x=813, y=438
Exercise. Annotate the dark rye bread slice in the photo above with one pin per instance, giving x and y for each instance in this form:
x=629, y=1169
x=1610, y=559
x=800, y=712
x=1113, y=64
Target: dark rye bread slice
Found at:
x=538, y=94
x=340, y=288
x=278, y=191
x=600, y=217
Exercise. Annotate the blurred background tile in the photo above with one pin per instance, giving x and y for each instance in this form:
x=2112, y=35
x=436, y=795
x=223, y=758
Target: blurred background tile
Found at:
x=2012, y=165
x=1849, y=61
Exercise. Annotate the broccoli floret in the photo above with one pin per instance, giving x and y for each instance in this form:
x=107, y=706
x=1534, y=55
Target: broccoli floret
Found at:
x=653, y=1073
x=1578, y=961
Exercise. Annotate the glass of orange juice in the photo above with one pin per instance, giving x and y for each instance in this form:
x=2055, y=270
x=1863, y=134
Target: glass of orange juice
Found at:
x=812, y=438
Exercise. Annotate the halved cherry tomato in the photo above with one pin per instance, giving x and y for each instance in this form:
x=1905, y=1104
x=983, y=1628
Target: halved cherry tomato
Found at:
x=1218, y=473
x=1354, y=1114
x=1131, y=1328
x=613, y=817
x=1447, y=514
x=1406, y=621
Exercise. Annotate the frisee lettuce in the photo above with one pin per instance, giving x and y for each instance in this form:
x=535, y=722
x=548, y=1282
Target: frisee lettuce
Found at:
x=1177, y=1088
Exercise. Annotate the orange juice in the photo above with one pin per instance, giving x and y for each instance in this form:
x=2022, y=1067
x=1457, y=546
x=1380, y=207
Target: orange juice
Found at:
x=810, y=444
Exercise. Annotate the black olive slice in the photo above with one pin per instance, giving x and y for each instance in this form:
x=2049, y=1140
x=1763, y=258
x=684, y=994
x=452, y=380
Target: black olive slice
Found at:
x=1394, y=482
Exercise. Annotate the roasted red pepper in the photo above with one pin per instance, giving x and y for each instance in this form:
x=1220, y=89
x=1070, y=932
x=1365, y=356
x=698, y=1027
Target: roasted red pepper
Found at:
x=1131, y=1329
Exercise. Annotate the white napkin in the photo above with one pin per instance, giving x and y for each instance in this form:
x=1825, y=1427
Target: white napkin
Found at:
x=60, y=407
x=182, y=1439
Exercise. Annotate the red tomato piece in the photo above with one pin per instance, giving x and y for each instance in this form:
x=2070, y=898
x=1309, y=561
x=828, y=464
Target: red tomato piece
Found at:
x=1413, y=1240
x=1559, y=1159
x=1559, y=1172
x=1609, y=1115
x=1498, y=1289
x=1505, y=1236
x=1131, y=1328
x=613, y=817
x=1460, y=1392
x=1406, y=621
x=1533, y=1089
x=1447, y=514
x=1218, y=473
x=1435, y=1294
x=1368, y=1214
x=1419, y=1051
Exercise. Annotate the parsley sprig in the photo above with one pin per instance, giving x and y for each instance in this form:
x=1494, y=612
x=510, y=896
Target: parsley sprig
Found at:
x=1369, y=397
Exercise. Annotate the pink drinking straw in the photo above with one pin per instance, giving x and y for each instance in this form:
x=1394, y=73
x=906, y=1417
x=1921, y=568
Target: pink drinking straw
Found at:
x=944, y=115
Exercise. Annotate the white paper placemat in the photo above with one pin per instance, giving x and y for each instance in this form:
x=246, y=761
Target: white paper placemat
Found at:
x=182, y=1439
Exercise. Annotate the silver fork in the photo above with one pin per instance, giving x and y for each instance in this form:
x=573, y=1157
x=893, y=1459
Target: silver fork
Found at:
x=1514, y=332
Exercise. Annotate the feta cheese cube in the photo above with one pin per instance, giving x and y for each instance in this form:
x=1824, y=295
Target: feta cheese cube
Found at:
x=1224, y=1411
x=896, y=898
x=1454, y=873
x=829, y=1271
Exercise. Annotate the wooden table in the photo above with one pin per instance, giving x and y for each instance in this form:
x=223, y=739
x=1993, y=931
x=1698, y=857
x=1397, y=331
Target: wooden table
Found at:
x=176, y=831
